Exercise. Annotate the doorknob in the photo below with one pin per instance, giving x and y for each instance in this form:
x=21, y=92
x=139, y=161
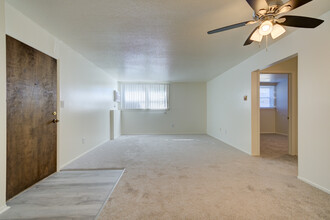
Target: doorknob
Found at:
x=56, y=120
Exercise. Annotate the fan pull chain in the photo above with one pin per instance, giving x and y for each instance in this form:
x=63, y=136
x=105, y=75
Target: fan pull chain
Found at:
x=267, y=43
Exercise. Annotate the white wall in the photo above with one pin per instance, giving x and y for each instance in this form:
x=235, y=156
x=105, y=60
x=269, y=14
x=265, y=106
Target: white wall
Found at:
x=267, y=120
x=2, y=107
x=226, y=109
x=87, y=93
x=86, y=90
x=281, y=116
x=187, y=114
x=228, y=115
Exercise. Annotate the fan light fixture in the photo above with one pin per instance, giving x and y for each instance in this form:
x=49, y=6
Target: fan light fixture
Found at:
x=284, y=9
x=266, y=14
x=256, y=36
x=266, y=28
x=278, y=30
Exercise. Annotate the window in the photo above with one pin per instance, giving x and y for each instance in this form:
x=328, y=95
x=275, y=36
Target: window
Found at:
x=144, y=96
x=267, y=96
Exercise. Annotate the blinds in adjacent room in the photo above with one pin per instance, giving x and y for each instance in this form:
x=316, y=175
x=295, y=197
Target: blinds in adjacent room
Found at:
x=144, y=96
x=267, y=96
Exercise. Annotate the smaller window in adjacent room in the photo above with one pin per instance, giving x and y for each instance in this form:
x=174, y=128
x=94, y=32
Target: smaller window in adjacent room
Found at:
x=267, y=96
x=144, y=96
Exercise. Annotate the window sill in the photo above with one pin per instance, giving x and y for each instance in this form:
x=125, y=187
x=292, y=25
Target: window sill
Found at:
x=146, y=110
x=267, y=107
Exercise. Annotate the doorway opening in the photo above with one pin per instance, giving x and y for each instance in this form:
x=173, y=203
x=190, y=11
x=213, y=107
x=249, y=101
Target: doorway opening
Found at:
x=274, y=114
x=274, y=108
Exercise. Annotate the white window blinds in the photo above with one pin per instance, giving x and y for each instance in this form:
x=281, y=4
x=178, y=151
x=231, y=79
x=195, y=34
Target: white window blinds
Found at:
x=267, y=97
x=144, y=96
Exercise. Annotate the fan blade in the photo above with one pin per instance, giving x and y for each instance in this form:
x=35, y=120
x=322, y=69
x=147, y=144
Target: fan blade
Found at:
x=301, y=22
x=257, y=5
x=249, y=41
x=230, y=27
x=290, y=5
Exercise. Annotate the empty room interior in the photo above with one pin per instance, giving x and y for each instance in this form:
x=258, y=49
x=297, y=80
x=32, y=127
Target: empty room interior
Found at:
x=214, y=109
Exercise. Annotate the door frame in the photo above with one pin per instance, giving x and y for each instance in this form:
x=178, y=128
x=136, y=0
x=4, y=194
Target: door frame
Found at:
x=255, y=113
x=292, y=107
x=58, y=106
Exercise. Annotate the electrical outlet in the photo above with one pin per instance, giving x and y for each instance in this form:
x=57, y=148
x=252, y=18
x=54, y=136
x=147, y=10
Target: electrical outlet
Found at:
x=83, y=140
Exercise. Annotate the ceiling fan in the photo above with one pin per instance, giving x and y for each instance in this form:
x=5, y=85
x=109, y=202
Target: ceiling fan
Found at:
x=266, y=14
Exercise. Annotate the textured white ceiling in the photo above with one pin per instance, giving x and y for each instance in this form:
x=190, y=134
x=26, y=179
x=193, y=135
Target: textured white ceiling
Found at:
x=154, y=40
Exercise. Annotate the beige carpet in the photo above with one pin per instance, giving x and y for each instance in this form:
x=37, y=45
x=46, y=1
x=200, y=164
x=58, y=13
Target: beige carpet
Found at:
x=274, y=146
x=198, y=177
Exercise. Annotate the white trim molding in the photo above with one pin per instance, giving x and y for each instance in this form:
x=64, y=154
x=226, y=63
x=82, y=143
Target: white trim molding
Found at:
x=230, y=145
x=274, y=133
x=314, y=184
x=4, y=208
x=82, y=154
x=281, y=134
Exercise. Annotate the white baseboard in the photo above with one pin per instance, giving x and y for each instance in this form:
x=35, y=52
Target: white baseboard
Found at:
x=274, y=133
x=282, y=134
x=165, y=133
x=249, y=153
x=64, y=165
x=4, y=208
x=314, y=184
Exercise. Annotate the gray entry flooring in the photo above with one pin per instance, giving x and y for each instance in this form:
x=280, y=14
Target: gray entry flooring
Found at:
x=72, y=194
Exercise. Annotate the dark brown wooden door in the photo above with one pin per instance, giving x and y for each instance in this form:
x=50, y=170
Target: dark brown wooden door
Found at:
x=31, y=101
